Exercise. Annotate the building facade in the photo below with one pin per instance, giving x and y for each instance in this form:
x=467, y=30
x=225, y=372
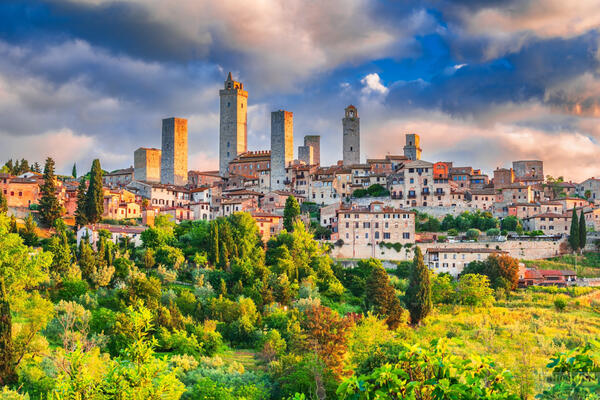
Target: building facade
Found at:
x=314, y=141
x=412, y=149
x=146, y=164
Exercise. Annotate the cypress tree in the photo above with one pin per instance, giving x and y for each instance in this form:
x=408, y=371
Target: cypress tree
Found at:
x=13, y=225
x=380, y=296
x=36, y=167
x=74, y=172
x=574, y=232
x=81, y=212
x=291, y=212
x=50, y=208
x=95, y=196
x=3, y=203
x=418, y=293
x=28, y=234
x=214, y=243
x=582, y=231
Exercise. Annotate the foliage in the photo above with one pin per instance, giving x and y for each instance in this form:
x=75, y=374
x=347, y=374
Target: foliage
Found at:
x=574, y=232
x=469, y=220
x=50, y=208
x=81, y=211
x=582, y=231
x=3, y=203
x=431, y=372
x=28, y=233
x=510, y=223
x=501, y=270
x=472, y=234
x=418, y=294
x=380, y=296
x=291, y=212
x=474, y=290
x=95, y=195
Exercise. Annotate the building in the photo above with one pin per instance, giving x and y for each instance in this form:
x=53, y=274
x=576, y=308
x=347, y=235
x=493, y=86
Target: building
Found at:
x=590, y=189
x=159, y=195
x=362, y=227
x=269, y=225
x=117, y=232
x=19, y=192
x=592, y=219
x=203, y=178
x=118, y=178
x=233, y=129
x=529, y=171
x=282, y=146
x=120, y=205
x=146, y=164
x=306, y=154
x=250, y=163
x=549, y=223
x=351, y=136
x=546, y=277
x=454, y=260
x=275, y=201
x=483, y=199
x=174, y=153
x=412, y=149
x=314, y=141
x=503, y=177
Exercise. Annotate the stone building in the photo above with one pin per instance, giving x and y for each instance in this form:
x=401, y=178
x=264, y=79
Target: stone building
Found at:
x=454, y=260
x=549, y=223
x=530, y=171
x=589, y=187
x=503, y=177
x=306, y=154
x=314, y=141
x=250, y=163
x=174, y=155
x=351, y=136
x=233, y=128
x=412, y=149
x=146, y=164
x=282, y=146
x=118, y=178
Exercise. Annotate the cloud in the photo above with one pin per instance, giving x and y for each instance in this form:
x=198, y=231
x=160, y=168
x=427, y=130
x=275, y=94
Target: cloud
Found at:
x=372, y=84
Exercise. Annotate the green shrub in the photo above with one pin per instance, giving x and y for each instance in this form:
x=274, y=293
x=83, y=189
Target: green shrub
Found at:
x=560, y=302
x=72, y=289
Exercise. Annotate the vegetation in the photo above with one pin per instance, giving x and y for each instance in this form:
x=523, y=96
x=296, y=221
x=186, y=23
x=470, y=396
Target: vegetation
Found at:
x=375, y=190
x=50, y=208
x=95, y=196
x=574, y=232
x=291, y=213
x=207, y=310
x=469, y=220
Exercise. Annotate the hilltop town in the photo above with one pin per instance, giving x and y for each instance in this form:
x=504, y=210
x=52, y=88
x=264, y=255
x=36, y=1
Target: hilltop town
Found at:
x=379, y=208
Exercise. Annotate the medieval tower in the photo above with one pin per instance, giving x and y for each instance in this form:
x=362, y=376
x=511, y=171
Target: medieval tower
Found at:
x=412, y=149
x=233, y=129
x=351, y=128
x=314, y=141
x=146, y=163
x=282, y=146
x=174, y=155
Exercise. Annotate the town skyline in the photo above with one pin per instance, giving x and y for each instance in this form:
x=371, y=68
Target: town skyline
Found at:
x=475, y=97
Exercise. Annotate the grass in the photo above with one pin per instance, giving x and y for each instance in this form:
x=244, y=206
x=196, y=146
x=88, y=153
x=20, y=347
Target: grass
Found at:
x=521, y=333
x=246, y=357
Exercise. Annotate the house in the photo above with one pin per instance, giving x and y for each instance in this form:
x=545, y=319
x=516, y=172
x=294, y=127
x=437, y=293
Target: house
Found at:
x=92, y=233
x=118, y=178
x=546, y=277
x=275, y=201
x=269, y=224
x=549, y=223
x=454, y=260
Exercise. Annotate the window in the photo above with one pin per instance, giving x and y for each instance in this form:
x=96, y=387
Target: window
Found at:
x=377, y=235
x=386, y=235
x=406, y=235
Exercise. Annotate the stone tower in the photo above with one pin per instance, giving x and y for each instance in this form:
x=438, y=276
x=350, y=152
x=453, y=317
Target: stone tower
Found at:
x=351, y=127
x=174, y=157
x=282, y=146
x=306, y=154
x=314, y=141
x=412, y=149
x=233, y=128
x=146, y=164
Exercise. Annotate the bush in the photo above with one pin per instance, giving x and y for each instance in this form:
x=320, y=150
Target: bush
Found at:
x=493, y=232
x=473, y=234
x=560, y=302
x=72, y=289
x=453, y=232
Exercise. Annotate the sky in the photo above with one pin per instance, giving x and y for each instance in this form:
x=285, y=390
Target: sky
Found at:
x=482, y=82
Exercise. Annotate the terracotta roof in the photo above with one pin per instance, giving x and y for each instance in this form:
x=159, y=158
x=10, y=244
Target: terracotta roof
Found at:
x=117, y=228
x=548, y=215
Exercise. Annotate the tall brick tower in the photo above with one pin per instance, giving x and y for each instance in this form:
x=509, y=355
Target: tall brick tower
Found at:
x=146, y=163
x=412, y=149
x=174, y=156
x=351, y=127
x=233, y=129
x=314, y=141
x=282, y=146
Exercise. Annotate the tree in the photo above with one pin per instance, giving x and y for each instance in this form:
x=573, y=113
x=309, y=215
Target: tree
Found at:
x=3, y=203
x=327, y=335
x=510, y=223
x=62, y=256
x=36, y=167
x=418, y=293
x=501, y=270
x=474, y=290
x=74, y=172
x=21, y=269
x=582, y=231
x=380, y=295
x=50, y=208
x=81, y=211
x=291, y=213
x=574, y=232
x=95, y=195
x=28, y=233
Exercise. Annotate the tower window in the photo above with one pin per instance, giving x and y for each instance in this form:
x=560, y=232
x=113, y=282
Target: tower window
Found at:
x=228, y=104
x=242, y=105
x=351, y=148
x=227, y=144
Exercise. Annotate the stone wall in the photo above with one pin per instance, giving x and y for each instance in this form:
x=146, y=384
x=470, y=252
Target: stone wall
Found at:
x=306, y=154
x=521, y=249
x=351, y=137
x=233, y=128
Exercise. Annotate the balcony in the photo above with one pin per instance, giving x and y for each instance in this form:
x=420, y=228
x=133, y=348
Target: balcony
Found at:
x=440, y=192
x=397, y=196
x=411, y=196
x=426, y=192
